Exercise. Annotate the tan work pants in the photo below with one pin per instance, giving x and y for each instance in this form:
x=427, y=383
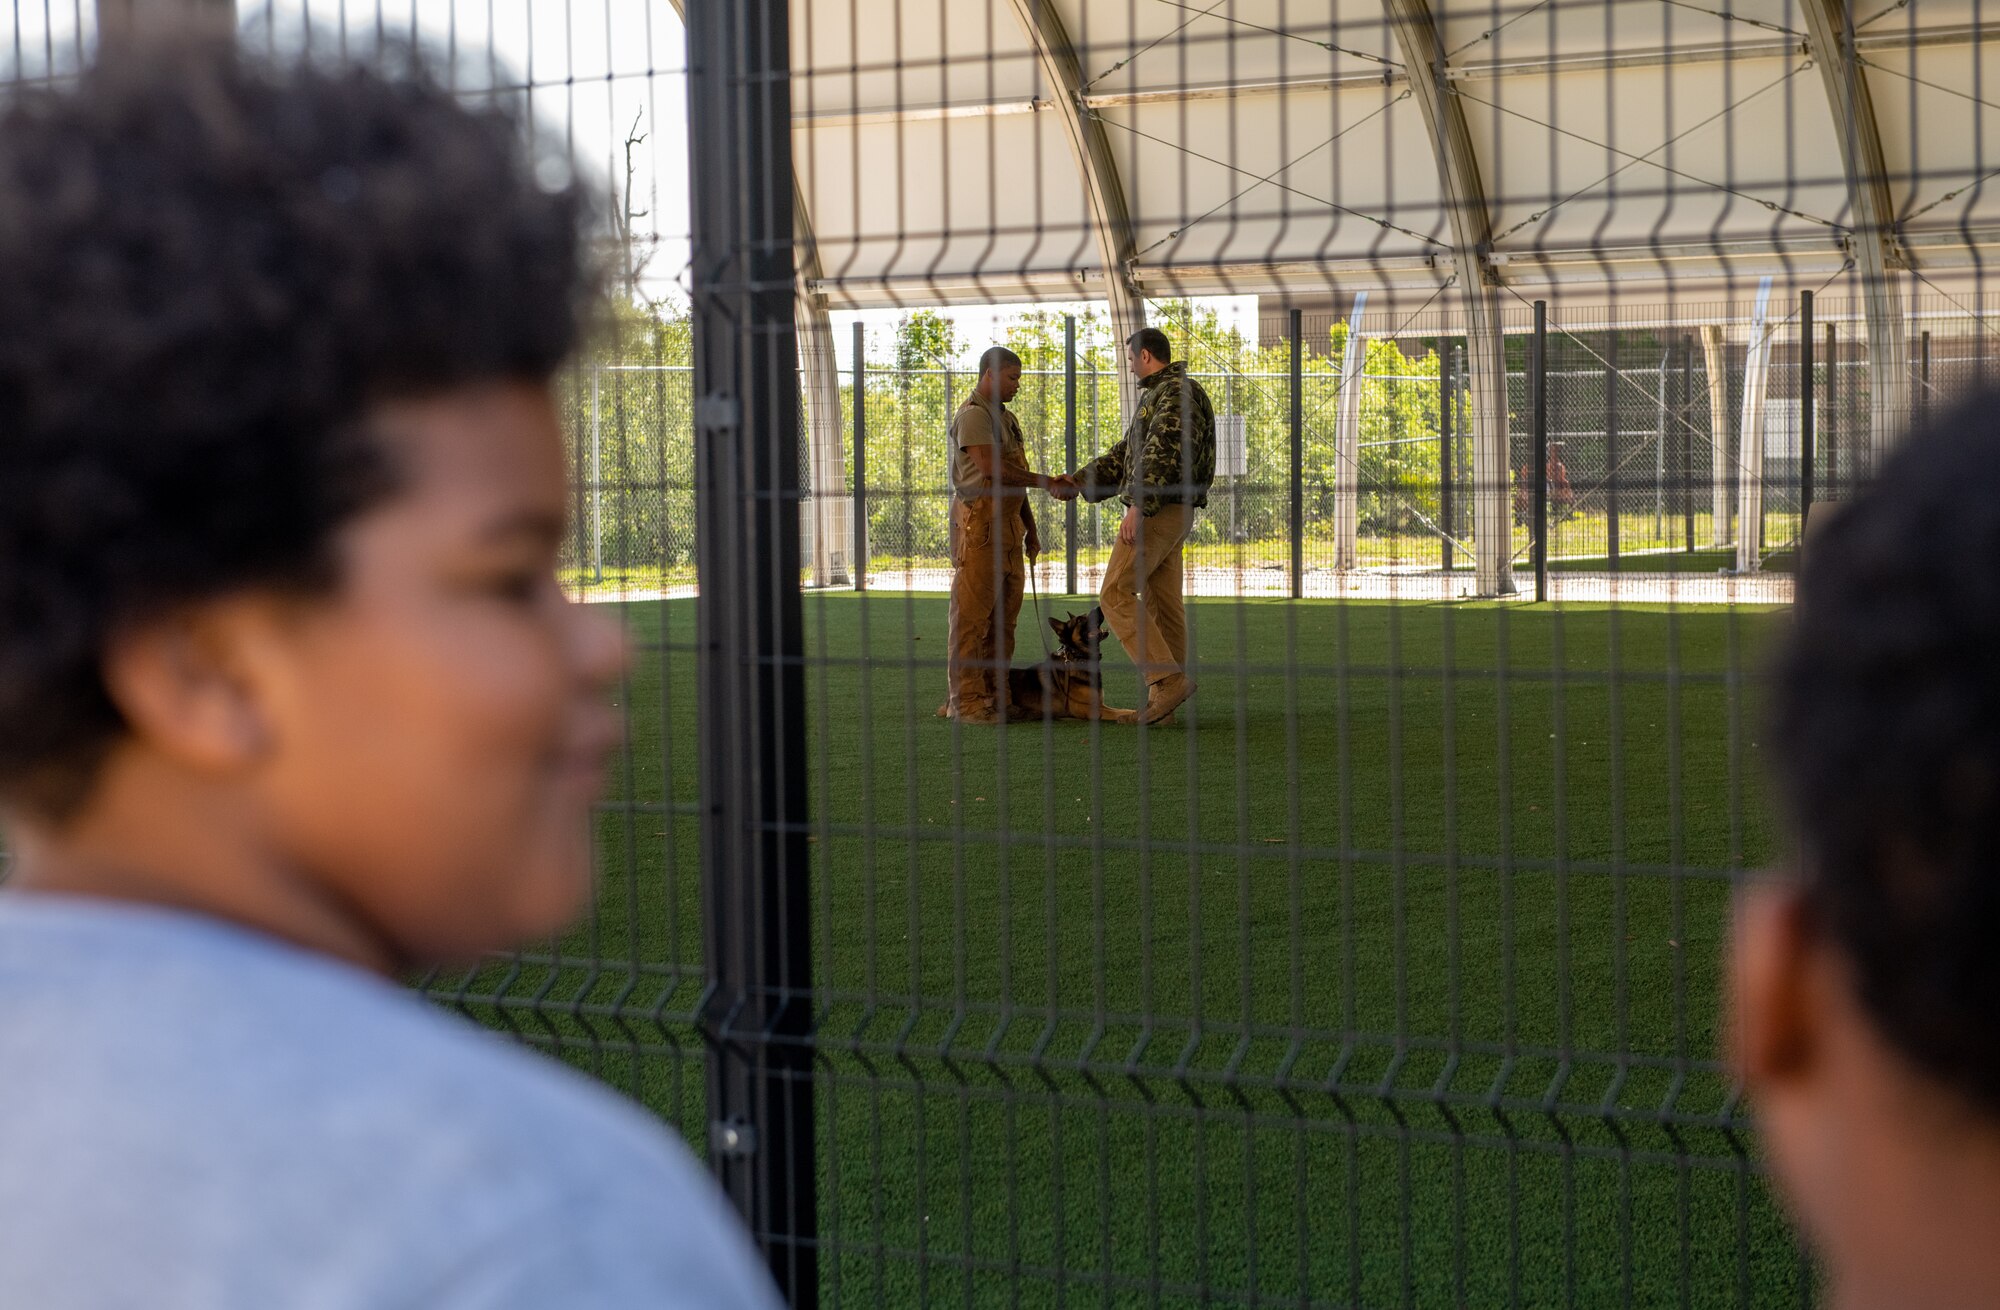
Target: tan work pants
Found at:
x=1141, y=596
x=989, y=574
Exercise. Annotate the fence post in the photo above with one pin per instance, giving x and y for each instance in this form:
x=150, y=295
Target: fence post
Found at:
x=1687, y=438
x=1347, y=442
x=1538, y=383
x=1805, y=419
x=755, y=870
x=1446, y=399
x=1924, y=395
x=860, y=458
x=1069, y=449
x=596, y=481
x=1298, y=509
x=1611, y=447
x=1832, y=414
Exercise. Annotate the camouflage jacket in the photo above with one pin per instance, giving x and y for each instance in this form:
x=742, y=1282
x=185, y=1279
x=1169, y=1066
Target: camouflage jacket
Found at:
x=1174, y=420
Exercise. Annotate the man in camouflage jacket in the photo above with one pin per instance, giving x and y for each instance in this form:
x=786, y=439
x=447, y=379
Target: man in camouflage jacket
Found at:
x=1161, y=470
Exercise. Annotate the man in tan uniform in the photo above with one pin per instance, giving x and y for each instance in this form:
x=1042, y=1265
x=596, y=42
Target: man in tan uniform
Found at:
x=1161, y=470
x=992, y=529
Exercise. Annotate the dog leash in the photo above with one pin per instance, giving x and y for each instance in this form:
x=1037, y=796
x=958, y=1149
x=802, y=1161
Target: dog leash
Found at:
x=1041, y=619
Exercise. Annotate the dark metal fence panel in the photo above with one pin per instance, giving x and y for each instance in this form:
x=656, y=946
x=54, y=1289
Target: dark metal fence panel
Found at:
x=1388, y=971
x=756, y=876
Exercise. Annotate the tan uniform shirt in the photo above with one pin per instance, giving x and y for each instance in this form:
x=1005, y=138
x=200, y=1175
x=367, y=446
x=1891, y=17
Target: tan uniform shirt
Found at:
x=972, y=425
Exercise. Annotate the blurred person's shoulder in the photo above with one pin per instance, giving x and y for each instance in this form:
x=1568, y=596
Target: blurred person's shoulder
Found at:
x=251, y=1119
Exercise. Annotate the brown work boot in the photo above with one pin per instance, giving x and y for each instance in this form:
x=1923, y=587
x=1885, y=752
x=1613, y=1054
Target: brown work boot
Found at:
x=1165, y=696
x=978, y=714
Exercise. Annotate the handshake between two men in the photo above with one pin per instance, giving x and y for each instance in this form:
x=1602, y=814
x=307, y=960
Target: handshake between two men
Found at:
x=1161, y=469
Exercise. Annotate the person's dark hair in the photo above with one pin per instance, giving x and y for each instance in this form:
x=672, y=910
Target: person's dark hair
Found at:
x=997, y=357
x=1154, y=342
x=212, y=267
x=1887, y=719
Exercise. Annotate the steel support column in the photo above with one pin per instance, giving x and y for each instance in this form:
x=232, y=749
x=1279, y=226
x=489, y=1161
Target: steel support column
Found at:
x=1878, y=256
x=1347, y=443
x=1485, y=347
x=827, y=514
x=1750, y=439
x=1715, y=359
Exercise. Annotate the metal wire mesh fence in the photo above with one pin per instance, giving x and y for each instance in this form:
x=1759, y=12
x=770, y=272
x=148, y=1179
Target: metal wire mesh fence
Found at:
x=1387, y=971
x=1645, y=411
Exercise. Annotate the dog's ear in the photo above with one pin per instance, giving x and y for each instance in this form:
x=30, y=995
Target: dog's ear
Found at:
x=1060, y=624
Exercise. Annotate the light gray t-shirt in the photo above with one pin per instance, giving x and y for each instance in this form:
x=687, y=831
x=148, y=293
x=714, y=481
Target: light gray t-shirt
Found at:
x=197, y=1117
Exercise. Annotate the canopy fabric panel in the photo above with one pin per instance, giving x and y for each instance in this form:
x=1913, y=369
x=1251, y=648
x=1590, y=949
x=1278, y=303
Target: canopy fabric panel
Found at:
x=1632, y=148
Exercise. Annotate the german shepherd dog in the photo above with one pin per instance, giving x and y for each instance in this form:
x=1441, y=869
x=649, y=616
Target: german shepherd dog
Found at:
x=1070, y=683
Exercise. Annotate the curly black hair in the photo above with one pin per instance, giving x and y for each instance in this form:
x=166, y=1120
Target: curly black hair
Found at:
x=212, y=267
x=1887, y=721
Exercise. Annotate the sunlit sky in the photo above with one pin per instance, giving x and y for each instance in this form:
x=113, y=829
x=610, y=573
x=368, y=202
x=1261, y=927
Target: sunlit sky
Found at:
x=594, y=72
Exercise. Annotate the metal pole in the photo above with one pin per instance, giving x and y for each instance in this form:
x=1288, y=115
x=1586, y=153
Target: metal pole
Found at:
x=1069, y=449
x=756, y=890
x=860, y=458
x=1805, y=412
x=1236, y=479
x=596, y=482
x=1445, y=398
x=1298, y=459
x=1687, y=438
x=1832, y=415
x=1538, y=381
x=1924, y=395
x=1660, y=446
x=1096, y=516
x=1611, y=448
x=1751, y=467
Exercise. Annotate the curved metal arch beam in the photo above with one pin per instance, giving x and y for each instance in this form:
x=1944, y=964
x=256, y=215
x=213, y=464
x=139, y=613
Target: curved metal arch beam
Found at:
x=1104, y=192
x=1877, y=253
x=1472, y=238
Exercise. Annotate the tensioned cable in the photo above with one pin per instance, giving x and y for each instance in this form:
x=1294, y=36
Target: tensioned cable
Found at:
x=1771, y=205
x=1924, y=81
x=1167, y=36
x=1951, y=91
x=1283, y=186
x=1635, y=161
x=1882, y=13
x=1287, y=167
x=1491, y=32
x=1979, y=320
x=1982, y=179
x=1333, y=46
x=1738, y=18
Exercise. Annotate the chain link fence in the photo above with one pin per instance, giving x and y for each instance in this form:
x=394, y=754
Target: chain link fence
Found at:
x=1645, y=466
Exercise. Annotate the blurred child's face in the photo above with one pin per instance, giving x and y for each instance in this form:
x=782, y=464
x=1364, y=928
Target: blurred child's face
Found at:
x=439, y=724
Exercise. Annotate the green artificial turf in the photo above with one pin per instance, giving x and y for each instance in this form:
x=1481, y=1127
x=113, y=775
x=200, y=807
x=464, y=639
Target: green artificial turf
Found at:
x=1389, y=976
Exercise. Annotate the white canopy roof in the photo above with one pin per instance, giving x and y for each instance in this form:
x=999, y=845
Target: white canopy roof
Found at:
x=952, y=151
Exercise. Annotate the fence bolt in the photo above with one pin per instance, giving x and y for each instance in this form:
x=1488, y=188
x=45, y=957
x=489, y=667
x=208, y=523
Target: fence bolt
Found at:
x=732, y=1138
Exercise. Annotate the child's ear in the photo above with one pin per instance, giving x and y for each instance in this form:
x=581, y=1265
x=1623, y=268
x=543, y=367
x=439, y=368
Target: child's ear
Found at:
x=181, y=685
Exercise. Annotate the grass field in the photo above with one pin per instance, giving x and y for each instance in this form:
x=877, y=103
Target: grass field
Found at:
x=1389, y=977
